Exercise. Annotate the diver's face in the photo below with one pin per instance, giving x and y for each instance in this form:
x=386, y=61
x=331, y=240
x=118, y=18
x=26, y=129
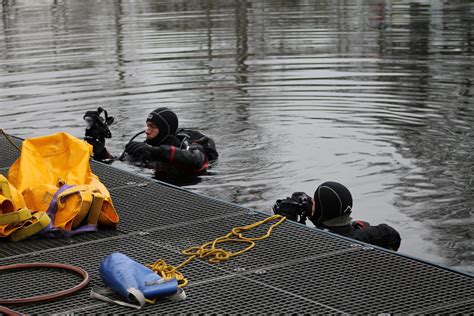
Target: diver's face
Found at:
x=89, y=122
x=151, y=130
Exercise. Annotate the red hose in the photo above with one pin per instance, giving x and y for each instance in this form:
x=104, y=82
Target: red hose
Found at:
x=8, y=312
x=51, y=296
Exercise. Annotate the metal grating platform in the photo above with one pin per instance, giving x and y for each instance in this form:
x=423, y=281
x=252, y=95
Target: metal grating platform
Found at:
x=8, y=153
x=297, y=270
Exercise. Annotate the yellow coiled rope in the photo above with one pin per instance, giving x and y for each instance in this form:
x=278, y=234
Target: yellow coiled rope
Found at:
x=210, y=252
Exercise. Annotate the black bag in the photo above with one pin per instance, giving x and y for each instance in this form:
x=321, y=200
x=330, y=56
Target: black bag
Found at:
x=192, y=136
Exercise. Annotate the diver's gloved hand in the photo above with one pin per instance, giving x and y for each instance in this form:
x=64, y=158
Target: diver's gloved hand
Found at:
x=139, y=150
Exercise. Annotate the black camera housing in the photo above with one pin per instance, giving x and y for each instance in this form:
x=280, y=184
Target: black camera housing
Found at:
x=98, y=130
x=295, y=208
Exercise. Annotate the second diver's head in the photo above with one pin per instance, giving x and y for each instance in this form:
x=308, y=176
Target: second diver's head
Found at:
x=332, y=205
x=160, y=124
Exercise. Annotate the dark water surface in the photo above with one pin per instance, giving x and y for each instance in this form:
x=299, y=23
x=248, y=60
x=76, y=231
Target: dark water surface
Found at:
x=375, y=94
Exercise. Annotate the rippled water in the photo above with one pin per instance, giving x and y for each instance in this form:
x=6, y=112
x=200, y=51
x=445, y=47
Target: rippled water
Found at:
x=374, y=94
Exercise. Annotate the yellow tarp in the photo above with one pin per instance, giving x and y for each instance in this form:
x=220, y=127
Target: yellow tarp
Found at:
x=48, y=162
x=47, y=159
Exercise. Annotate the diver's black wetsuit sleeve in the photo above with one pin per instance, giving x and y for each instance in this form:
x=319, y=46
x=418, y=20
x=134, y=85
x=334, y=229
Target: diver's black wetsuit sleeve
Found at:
x=193, y=157
x=381, y=235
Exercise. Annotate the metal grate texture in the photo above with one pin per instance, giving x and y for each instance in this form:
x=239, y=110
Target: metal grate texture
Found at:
x=297, y=270
x=88, y=256
x=157, y=205
x=459, y=309
x=234, y=295
x=8, y=153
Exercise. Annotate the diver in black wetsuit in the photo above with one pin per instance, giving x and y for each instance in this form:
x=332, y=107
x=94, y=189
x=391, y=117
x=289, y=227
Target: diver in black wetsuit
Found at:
x=330, y=209
x=177, y=155
x=97, y=131
x=173, y=152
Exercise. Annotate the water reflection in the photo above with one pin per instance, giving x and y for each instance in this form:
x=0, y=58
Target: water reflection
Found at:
x=374, y=94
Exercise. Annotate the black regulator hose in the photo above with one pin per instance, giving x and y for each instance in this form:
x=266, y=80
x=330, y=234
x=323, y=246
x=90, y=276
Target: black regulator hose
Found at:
x=131, y=140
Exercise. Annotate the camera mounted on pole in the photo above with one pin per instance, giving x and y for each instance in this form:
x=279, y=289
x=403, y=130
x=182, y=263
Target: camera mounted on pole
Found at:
x=97, y=131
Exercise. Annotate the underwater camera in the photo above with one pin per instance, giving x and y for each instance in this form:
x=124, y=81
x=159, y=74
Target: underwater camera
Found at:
x=295, y=208
x=97, y=130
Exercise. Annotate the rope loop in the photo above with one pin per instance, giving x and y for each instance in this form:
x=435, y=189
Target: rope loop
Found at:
x=212, y=253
